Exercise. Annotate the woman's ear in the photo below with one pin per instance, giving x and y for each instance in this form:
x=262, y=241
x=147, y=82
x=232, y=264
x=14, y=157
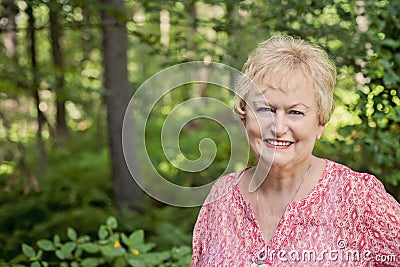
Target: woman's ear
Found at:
x=320, y=131
x=241, y=114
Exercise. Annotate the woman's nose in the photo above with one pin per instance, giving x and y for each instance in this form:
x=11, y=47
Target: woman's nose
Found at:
x=279, y=125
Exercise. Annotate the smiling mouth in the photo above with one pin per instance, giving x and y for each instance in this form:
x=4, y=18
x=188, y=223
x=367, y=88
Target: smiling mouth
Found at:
x=278, y=143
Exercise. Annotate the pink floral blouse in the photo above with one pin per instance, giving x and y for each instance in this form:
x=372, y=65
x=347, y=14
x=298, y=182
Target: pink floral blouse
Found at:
x=347, y=220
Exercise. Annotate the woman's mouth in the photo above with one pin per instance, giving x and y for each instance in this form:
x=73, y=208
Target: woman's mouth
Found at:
x=277, y=143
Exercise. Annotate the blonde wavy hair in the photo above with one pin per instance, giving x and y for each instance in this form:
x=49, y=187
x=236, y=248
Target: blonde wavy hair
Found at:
x=284, y=55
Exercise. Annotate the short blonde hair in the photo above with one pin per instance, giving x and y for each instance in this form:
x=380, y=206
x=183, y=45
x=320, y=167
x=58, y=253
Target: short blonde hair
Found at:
x=286, y=54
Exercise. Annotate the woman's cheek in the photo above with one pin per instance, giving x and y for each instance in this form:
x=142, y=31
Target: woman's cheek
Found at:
x=255, y=143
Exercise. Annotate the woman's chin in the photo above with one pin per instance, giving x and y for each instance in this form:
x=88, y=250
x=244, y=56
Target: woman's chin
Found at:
x=273, y=160
x=265, y=160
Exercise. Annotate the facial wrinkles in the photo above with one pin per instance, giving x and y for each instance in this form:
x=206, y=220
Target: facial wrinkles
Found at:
x=283, y=116
x=253, y=128
x=287, y=107
x=290, y=92
x=288, y=86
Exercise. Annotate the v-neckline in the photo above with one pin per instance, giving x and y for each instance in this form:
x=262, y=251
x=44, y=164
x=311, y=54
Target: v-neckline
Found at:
x=291, y=205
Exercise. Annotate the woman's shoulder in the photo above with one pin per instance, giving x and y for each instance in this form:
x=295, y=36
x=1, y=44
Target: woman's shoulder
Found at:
x=353, y=183
x=223, y=186
x=348, y=175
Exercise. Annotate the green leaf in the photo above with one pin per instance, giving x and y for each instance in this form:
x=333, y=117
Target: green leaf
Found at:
x=114, y=237
x=155, y=259
x=126, y=240
x=391, y=43
x=67, y=249
x=71, y=233
x=118, y=252
x=107, y=251
x=390, y=78
x=110, y=251
x=35, y=264
x=56, y=241
x=136, y=263
x=84, y=239
x=91, y=262
x=112, y=223
x=74, y=264
x=46, y=245
x=385, y=63
x=39, y=254
x=103, y=233
x=145, y=247
x=78, y=253
x=59, y=253
x=137, y=237
x=28, y=251
x=90, y=248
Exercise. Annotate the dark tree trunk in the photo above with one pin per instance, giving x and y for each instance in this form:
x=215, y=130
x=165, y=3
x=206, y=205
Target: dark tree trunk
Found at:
x=35, y=88
x=10, y=35
x=115, y=46
x=55, y=36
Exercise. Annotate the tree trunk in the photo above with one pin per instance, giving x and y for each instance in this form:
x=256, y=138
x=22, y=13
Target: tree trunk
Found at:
x=115, y=46
x=55, y=36
x=87, y=39
x=35, y=88
x=10, y=35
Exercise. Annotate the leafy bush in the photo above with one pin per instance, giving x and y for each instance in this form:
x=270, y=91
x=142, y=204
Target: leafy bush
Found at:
x=77, y=191
x=112, y=248
x=75, y=185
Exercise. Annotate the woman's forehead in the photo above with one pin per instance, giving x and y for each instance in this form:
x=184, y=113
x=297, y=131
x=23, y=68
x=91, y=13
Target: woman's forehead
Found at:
x=287, y=83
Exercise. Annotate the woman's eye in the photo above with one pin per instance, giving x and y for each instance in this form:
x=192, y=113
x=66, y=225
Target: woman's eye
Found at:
x=265, y=109
x=296, y=112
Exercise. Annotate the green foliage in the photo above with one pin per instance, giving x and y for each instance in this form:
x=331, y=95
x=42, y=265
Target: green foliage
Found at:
x=361, y=37
x=373, y=145
x=111, y=247
x=75, y=185
x=76, y=191
x=165, y=226
x=191, y=135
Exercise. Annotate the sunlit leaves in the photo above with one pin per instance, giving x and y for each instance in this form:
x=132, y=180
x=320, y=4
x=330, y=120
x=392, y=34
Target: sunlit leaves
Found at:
x=114, y=248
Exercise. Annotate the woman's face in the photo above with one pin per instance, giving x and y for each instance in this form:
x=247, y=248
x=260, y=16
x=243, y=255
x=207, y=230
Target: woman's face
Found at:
x=282, y=120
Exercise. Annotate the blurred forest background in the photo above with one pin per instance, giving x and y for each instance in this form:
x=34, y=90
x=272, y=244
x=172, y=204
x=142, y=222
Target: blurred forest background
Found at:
x=69, y=67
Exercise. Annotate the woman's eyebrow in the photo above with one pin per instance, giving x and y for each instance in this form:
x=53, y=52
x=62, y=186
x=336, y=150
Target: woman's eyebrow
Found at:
x=298, y=105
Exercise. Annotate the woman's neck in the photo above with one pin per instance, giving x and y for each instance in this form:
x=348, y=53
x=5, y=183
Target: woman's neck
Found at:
x=281, y=179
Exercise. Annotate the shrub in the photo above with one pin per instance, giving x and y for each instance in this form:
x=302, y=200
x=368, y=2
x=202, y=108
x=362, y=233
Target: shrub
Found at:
x=112, y=248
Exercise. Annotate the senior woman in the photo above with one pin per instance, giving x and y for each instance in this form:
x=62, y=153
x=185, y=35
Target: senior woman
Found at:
x=292, y=208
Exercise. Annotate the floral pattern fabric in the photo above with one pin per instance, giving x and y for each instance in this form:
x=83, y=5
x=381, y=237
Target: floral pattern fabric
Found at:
x=348, y=219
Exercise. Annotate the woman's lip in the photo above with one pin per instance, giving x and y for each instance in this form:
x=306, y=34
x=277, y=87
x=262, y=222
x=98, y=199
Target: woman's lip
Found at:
x=278, y=140
x=278, y=143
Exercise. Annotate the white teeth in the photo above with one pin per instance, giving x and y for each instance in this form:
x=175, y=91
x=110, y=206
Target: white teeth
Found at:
x=278, y=143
